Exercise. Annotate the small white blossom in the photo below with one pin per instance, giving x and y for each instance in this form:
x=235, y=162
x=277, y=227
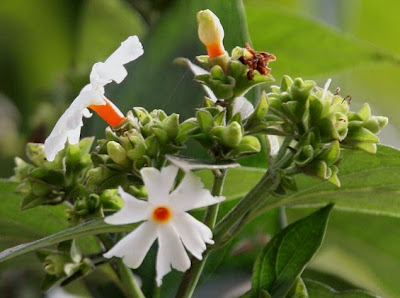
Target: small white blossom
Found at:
x=240, y=104
x=165, y=218
x=103, y=73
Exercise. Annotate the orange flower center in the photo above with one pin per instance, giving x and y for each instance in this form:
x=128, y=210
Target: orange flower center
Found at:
x=161, y=214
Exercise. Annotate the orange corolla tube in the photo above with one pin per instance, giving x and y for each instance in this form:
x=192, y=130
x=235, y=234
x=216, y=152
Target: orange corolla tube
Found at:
x=109, y=113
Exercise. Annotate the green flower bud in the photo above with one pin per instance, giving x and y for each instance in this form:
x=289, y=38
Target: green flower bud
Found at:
x=158, y=114
x=230, y=136
x=35, y=153
x=171, y=126
x=137, y=152
x=318, y=168
x=143, y=115
x=161, y=135
x=334, y=178
x=111, y=135
x=248, y=144
x=73, y=155
x=361, y=134
x=304, y=155
x=205, y=120
x=110, y=200
x=116, y=152
x=93, y=202
x=331, y=154
x=286, y=82
x=40, y=188
x=81, y=207
x=376, y=123
x=98, y=175
x=54, y=264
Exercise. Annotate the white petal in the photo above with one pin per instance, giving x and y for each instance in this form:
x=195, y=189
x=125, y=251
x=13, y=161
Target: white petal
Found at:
x=197, y=70
x=193, y=233
x=134, y=210
x=190, y=194
x=170, y=252
x=134, y=246
x=243, y=106
x=69, y=124
x=274, y=144
x=86, y=113
x=113, y=68
x=129, y=50
x=158, y=184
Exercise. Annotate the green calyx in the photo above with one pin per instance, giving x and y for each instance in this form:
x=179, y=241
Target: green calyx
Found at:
x=45, y=182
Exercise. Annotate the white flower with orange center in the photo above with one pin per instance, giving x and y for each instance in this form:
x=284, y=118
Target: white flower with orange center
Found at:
x=166, y=219
x=68, y=127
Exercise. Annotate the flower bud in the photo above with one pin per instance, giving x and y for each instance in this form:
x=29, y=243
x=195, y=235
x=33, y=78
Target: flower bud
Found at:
x=229, y=136
x=171, y=125
x=211, y=33
x=110, y=200
x=98, y=175
x=205, y=120
x=116, y=152
x=248, y=144
x=54, y=264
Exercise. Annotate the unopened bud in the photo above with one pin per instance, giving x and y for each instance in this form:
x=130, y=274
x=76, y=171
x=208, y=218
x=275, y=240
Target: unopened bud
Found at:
x=211, y=33
x=229, y=136
x=116, y=152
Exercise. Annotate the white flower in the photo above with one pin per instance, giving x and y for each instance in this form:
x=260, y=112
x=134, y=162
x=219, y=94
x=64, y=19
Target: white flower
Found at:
x=165, y=218
x=92, y=95
x=240, y=104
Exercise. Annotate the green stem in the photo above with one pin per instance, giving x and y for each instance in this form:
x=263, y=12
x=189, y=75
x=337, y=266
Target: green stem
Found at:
x=251, y=200
x=212, y=211
x=192, y=276
x=282, y=220
x=133, y=290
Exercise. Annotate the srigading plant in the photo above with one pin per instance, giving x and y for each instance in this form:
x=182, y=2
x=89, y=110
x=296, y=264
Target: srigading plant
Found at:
x=135, y=188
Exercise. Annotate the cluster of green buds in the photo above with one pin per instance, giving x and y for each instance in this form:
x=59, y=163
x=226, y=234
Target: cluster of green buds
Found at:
x=64, y=264
x=142, y=141
x=229, y=76
x=224, y=139
x=320, y=122
x=50, y=183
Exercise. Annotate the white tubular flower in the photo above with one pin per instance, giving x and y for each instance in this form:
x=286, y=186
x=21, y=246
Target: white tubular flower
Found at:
x=165, y=218
x=68, y=127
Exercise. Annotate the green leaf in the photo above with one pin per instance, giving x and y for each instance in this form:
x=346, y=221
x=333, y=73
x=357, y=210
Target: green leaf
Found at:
x=286, y=255
x=370, y=183
x=316, y=290
x=18, y=226
x=367, y=257
x=93, y=227
x=299, y=290
x=322, y=48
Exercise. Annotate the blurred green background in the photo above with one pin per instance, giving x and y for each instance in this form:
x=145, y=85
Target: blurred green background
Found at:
x=47, y=49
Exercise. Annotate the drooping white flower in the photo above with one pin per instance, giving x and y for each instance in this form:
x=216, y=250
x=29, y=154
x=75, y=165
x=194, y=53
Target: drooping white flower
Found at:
x=165, y=219
x=68, y=127
x=240, y=104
